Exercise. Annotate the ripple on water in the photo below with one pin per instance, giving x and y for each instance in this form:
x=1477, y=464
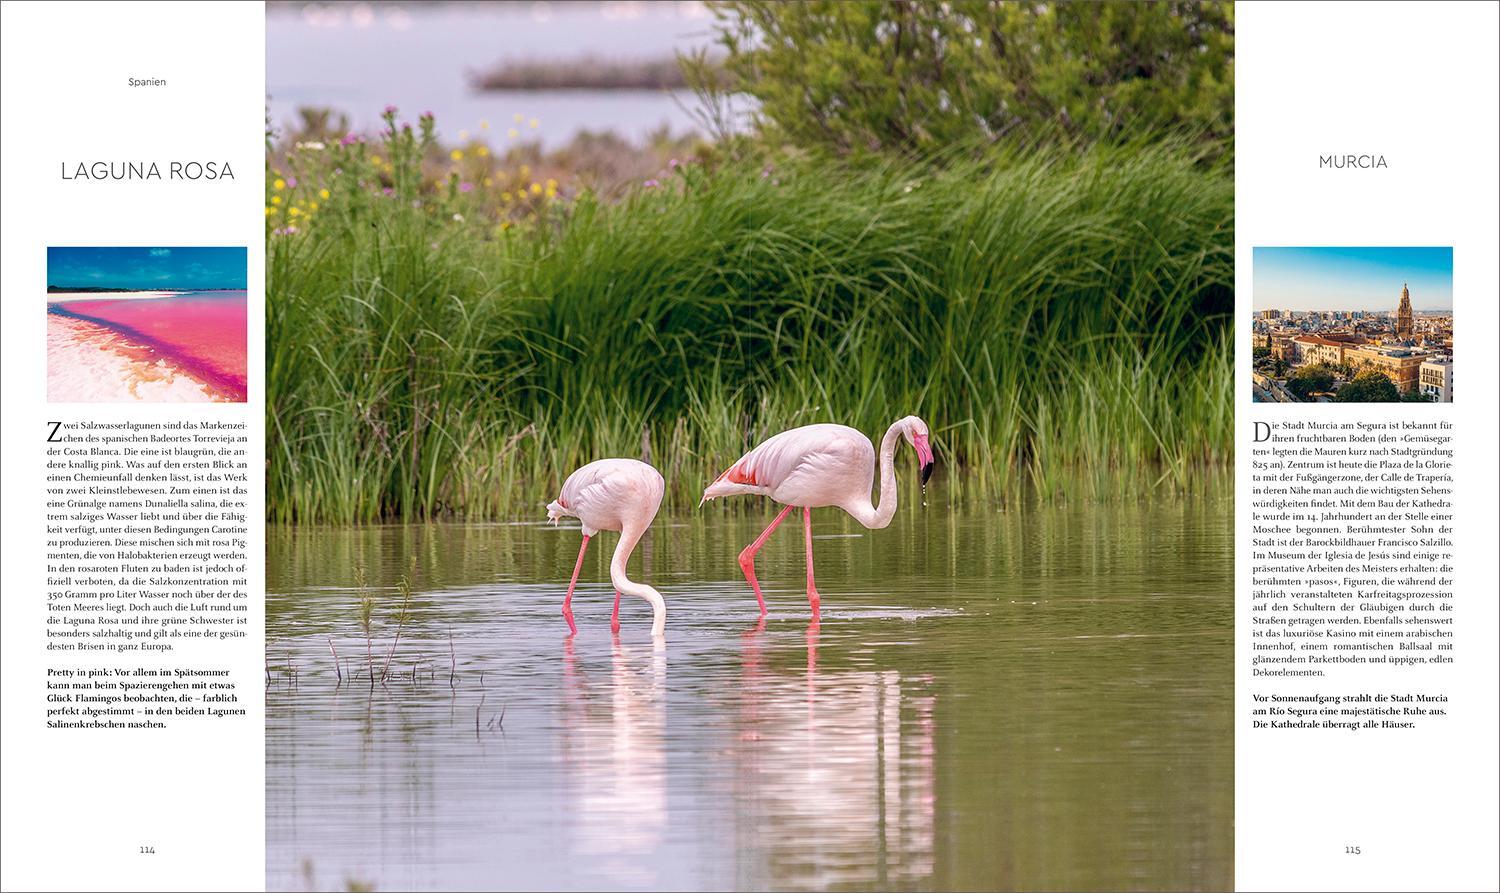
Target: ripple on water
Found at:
x=1003, y=683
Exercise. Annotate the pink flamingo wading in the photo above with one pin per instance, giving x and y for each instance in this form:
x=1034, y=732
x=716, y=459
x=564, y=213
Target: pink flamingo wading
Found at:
x=821, y=465
x=613, y=494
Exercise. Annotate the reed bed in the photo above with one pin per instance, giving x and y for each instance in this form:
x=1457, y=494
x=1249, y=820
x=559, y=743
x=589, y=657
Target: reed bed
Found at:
x=1061, y=319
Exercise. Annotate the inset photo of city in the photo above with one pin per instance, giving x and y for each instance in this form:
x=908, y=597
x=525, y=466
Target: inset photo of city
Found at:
x=1353, y=325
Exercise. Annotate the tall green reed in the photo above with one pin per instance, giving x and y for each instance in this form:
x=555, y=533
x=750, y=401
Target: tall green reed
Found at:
x=1060, y=319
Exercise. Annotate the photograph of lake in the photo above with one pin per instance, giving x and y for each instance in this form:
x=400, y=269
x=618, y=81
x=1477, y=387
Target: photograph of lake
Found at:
x=159, y=325
x=545, y=281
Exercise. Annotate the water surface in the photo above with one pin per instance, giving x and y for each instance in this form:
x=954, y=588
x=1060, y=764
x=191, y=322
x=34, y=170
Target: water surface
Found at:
x=1029, y=698
x=357, y=58
x=149, y=346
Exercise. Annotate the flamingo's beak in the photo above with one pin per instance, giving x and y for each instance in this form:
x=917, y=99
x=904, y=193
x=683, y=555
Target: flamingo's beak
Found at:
x=924, y=456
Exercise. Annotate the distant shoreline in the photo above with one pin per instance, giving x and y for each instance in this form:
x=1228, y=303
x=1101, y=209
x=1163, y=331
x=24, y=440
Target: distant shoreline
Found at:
x=102, y=294
x=89, y=290
x=586, y=73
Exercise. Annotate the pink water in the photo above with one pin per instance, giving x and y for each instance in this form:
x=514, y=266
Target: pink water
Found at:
x=200, y=334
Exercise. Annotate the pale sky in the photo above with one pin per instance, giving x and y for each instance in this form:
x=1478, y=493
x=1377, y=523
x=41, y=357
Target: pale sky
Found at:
x=1352, y=278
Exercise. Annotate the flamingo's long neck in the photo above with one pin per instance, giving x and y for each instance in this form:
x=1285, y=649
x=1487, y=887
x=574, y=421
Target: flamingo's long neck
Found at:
x=628, y=539
x=877, y=517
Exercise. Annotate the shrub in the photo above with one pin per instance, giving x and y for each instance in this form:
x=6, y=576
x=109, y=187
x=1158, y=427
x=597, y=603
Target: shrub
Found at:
x=1369, y=386
x=1310, y=380
x=899, y=75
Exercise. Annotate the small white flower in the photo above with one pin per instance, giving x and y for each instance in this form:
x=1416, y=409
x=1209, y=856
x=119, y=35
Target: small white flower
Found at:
x=314, y=145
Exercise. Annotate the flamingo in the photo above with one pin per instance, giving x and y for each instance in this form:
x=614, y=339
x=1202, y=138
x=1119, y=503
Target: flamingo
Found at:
x=821, y=465
x=613, y=494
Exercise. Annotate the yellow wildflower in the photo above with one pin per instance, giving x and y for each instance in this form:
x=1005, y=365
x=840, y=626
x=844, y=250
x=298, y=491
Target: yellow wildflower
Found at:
x=295, y=211
x=489, y=181
x=482, y=151
x=518, y=117
x=456, y=155
x=324, y=194
x=533, y=124
x=551, y=183
x=279, y=185
x=275, y=199
x=377, y=160
x=525, y=170
x=270, y=211
x=506, y=196
x=311, y=207
x=536, y=189
x=512, y=133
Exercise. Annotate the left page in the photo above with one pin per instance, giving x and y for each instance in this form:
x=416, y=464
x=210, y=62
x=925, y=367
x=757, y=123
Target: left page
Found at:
x=133, y=543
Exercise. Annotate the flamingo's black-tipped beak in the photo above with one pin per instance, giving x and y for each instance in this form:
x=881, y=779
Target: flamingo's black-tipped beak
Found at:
x=924, y=455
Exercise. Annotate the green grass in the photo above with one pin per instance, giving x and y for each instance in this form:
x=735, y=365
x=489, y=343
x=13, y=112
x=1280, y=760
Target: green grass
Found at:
x=1060, y=319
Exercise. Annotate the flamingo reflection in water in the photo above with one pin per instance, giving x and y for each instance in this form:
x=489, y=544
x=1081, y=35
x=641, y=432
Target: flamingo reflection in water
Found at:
x=614, y=745
x=834, y=771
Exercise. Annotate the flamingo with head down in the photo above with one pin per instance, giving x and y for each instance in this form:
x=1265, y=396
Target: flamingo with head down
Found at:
x=816, y=466
x=613, y=494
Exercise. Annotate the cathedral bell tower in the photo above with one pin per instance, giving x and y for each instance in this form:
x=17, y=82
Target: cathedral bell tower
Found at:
x=1403, y=316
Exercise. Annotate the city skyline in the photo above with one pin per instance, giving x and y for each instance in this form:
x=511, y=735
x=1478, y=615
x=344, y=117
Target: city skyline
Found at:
x=1352, y=279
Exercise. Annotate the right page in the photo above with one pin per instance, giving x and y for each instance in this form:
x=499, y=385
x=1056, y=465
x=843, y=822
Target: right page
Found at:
x=1366, y=522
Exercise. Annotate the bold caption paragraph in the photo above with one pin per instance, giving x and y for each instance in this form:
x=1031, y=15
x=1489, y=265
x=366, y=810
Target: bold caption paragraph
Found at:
x=137, y=697
x=147, y=536
x=1351, y=565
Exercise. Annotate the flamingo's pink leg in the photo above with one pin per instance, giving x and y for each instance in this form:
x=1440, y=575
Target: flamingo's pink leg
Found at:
x=747, y=558
x=568, y=600
x=614, y=619
x=812, y=591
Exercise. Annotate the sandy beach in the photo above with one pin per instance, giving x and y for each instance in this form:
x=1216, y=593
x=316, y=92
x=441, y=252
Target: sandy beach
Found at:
x=58, y=297
x=88, y=363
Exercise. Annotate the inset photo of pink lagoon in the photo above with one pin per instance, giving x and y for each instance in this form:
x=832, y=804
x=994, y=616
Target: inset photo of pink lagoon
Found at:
x=158, y=325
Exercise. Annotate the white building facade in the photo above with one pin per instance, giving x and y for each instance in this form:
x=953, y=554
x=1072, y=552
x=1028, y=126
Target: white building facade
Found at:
x=1436, y=379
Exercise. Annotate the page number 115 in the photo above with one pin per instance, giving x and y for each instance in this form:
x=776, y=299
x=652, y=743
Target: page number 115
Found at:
x=1351, y=850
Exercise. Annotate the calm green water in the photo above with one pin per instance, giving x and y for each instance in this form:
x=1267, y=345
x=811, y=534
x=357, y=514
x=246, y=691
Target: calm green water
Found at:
x=1018, y=699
